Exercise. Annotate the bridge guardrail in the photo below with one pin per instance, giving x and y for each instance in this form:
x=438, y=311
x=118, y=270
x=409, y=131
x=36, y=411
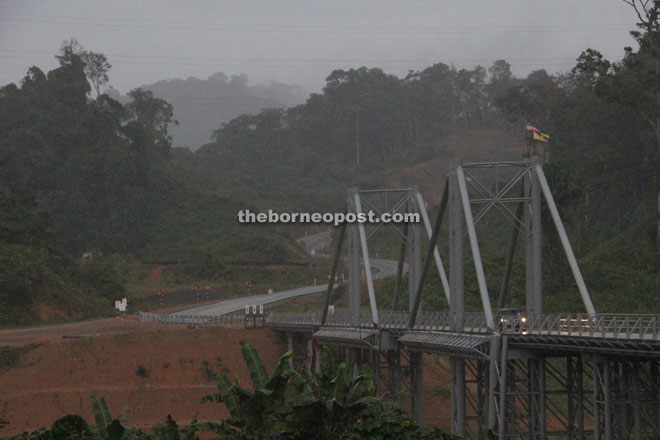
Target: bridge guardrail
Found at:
x=393, y=320
x=607, y=326
x=310, y=319
x=191, y=319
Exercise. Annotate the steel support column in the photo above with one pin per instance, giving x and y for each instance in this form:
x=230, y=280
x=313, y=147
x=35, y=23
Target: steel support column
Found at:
x=493, y=380
x=289, y=345
x=529, y=267
x=607, y=400
x=354, y=270
x=367, y=262
x=536, y=243
x=394, y=373
x=429, y=233
x=414, y=276
x=457, y=299
x=399, y=269
x=476, y=397
x=414, y=253
x=637, y=401
x=597, y=376
x=417, y=386
x=504, y=373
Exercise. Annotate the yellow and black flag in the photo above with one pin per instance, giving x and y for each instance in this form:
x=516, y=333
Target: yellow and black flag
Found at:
x=542, y=137
x=536, y=133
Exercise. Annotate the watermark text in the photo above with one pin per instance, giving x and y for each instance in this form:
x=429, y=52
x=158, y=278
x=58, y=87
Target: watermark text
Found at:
x=335, y=218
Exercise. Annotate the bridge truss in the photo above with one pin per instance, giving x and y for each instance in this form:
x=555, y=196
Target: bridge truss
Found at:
x=534, y=375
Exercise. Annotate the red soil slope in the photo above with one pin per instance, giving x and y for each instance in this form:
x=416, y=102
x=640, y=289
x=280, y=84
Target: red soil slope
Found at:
x=57, y=376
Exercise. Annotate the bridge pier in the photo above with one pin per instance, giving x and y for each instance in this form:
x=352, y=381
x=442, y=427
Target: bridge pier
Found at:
x=574, y=380
x=289, y=347
x=393, y=359
x=457, y=372
x=522, y=394
x=417, y=386
x=477, y=385
x=626, y=401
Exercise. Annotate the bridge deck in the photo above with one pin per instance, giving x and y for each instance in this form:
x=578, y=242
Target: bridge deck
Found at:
x=628, y=334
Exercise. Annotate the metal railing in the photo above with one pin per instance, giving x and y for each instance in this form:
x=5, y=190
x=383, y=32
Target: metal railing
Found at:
x=606, y=326
x=391, y=320
x=191, y=319
x=310, y=319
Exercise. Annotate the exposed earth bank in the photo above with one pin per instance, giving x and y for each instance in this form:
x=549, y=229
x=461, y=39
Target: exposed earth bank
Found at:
x=154, y=371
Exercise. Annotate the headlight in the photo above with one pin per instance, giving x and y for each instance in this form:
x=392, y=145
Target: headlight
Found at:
x=523, y=319
x=502, y=319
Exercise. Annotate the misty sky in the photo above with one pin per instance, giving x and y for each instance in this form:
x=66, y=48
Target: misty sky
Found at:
x=301, y=42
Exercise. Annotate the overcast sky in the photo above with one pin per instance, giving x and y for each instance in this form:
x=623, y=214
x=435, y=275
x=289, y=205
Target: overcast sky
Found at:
x=301, y=42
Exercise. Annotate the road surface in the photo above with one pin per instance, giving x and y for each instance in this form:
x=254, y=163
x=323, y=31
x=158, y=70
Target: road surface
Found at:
x=316, y=241
x=383, y=269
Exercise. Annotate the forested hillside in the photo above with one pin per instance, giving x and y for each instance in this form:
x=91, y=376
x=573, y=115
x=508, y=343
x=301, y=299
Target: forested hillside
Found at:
x=87, y=175
x=82, y=172
x=200, y=106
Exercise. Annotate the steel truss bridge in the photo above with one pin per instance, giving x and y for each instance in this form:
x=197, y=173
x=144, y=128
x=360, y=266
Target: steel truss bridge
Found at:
x=527, y=375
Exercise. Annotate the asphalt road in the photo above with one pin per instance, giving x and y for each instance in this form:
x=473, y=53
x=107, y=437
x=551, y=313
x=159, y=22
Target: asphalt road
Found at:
x=382, y=269
x=313, y=242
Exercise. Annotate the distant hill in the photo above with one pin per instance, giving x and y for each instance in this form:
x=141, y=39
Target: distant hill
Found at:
x=202, y=105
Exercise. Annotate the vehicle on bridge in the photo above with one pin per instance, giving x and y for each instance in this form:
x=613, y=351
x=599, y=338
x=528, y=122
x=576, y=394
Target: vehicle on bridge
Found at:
x=511, y=320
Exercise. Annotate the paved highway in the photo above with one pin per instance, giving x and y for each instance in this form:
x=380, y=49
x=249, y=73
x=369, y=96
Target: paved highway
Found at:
x=314, y=242
x=382, y=268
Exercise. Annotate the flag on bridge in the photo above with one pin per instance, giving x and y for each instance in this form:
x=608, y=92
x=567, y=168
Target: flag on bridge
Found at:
x=542, y=137
x=536, y=133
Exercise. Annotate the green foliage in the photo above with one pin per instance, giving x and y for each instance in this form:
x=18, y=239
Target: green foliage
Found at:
x=101, y=275
x=105, y=426
x=141, y=371
x=80, y=174
x=71, y=427
x=33, y=268
x=395, y=426
x=74, y=427
x=286, y=405
x=10, y=357
x=565, y=185
x=209, y=372
x=167, y=430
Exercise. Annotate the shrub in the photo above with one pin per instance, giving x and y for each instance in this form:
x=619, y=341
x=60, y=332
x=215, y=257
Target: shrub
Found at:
x=71, y=427
x=141, y=371
x=287, y=405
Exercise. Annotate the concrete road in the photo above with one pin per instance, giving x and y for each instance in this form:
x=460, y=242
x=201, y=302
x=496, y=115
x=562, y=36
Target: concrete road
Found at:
x=382, y=269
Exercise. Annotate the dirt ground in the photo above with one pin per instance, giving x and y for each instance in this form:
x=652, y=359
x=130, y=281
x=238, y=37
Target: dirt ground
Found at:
x=93, y=327
x=154, y=370
x=57, y=376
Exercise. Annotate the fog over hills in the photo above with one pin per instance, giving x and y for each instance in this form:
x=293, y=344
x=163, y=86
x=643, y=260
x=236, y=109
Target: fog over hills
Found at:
x=202, y=105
